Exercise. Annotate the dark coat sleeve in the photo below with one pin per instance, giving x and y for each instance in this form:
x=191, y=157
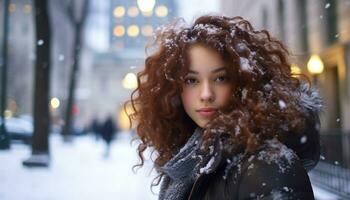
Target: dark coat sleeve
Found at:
x=274, y=180
x=307, y=144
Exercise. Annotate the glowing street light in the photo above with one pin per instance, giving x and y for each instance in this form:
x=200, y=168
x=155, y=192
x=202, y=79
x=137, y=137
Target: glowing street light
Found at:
x=295, y=70
x=119, y=31
x=55, y=103
x=124, y=122
x=146, y=6
x=8, y=114
x=162, y=11
x=119, y=11
x=130, y=81
x=133, y=30
x=315, y=65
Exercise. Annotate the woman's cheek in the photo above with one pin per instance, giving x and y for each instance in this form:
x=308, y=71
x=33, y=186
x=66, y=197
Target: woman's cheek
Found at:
x=187, y=98
x=225, y=95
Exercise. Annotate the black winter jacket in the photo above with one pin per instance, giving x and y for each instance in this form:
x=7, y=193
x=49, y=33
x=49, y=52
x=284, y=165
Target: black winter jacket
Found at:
x=266, y=174
x=277, y=170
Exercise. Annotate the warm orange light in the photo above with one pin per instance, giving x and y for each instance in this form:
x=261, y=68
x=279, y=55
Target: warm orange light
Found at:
x=119, y=11
x=315, y=65
x=146, y=5
x=123, y=119
x=133, y=31
x=133, y=11
x=8, y=113
x=130, y=81
x=295, y=69
x=162, y=11
x=147, y=30
x=55, y=103
x=119, y=31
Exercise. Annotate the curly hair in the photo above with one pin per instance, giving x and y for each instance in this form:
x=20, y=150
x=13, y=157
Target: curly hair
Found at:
x=264, y=103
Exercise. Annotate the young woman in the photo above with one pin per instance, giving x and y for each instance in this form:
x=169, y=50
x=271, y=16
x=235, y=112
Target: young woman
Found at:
x=219, y=106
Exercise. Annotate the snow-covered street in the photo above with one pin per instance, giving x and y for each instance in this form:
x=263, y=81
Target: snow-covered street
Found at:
x=79, y=171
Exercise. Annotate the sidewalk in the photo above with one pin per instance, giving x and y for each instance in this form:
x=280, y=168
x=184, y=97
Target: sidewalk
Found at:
x=79, y=171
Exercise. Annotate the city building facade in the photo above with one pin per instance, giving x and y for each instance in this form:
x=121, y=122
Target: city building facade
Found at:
x=310, y=27
x=315, y=29
x=20, y=58
x=125, y=28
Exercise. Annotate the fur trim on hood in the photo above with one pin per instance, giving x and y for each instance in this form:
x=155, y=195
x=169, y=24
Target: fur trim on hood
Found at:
x=310, y=99
x=307, y=144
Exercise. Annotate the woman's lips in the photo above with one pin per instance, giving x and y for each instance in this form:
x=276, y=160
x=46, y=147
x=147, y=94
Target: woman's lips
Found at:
x=207, y=112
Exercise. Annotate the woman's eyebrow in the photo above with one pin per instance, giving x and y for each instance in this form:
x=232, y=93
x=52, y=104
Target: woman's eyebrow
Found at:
x=192, y=72
x=218, y=70
x=213, y=71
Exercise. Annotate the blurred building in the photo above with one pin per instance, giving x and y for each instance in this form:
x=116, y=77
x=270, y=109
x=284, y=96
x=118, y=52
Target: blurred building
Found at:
x=322, y=28
x=133, y=22
x=20, y=55
x=117, y=33
x=310, y=27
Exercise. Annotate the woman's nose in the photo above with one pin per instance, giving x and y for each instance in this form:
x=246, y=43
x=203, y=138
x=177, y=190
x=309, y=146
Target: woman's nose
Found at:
x=207, y=94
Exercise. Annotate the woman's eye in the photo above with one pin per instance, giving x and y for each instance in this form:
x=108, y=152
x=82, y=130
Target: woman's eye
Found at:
x=190, y=81
x=221, y=79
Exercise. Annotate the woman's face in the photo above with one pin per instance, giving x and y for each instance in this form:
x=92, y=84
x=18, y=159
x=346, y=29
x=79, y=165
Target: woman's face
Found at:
x=206, y=87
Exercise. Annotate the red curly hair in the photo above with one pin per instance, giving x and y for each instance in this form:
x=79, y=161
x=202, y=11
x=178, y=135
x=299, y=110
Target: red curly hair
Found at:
x=264, y=103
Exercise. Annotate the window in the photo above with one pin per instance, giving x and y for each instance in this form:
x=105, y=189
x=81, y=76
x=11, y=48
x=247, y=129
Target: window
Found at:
x=302, y=7
x=330, y=7
x=265, y=18
x=281, y=19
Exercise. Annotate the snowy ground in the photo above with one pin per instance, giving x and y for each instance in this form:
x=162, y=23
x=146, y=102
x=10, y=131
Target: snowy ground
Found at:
x=79, y=171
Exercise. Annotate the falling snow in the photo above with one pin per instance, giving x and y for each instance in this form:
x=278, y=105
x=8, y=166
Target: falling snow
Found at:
x=303, y=139
x=241, y=47
x=287, y=189
x=244, y=93
x=267, y=87
x=245, y=66
x=61, y=57
x=40, y=42
x=210, y=29
x=208, y=166
x=282, y=104
x=277, y=153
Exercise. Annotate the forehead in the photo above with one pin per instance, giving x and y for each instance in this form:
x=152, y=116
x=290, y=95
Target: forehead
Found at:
x=204, y=59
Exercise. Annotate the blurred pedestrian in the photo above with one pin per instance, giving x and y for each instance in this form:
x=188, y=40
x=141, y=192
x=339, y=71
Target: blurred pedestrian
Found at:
x=95, y=128
x=108, y=130
x=227, y=119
